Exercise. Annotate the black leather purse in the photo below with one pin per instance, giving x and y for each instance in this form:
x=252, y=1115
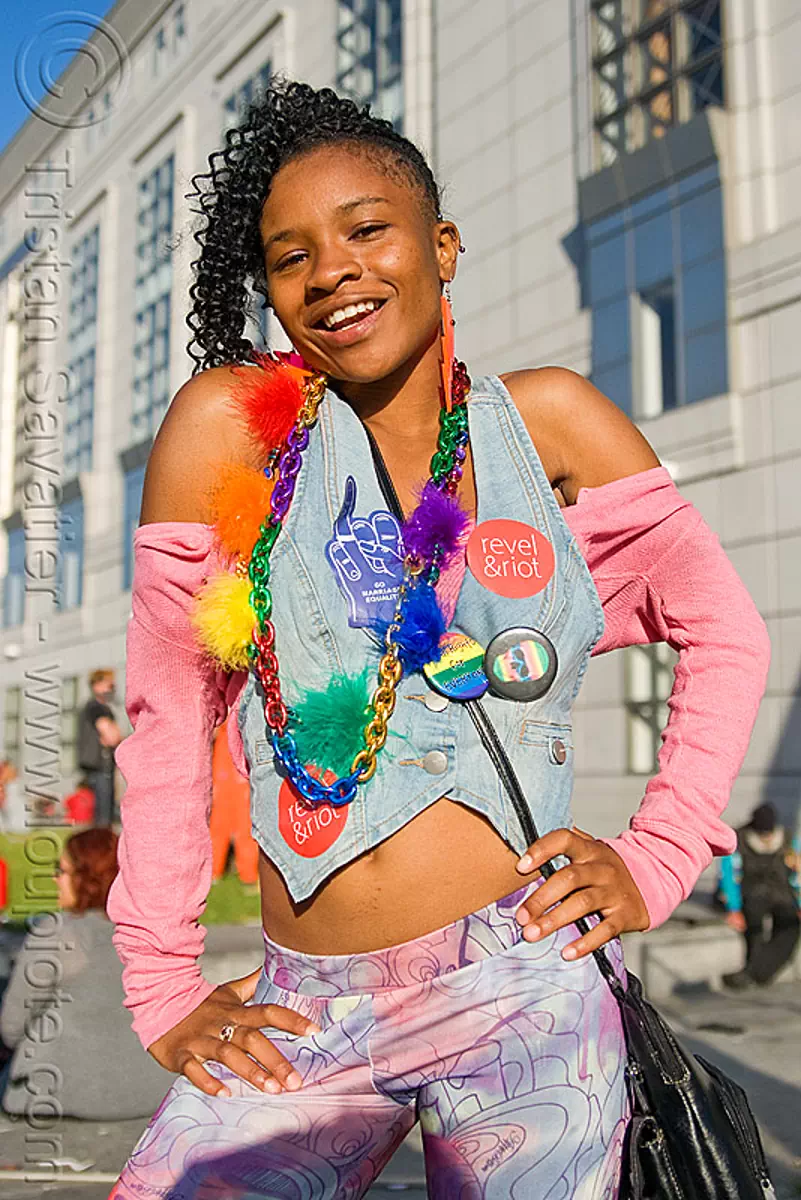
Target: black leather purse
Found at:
x=692, y=1135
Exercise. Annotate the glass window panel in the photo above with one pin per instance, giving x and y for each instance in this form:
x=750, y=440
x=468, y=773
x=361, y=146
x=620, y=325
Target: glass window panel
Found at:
x=610, y=333
x=82, y=333
x=704, y=295
x=703, y=22
x=662, y=302
x=653, y=251
x=607, y=26
x=69, y=582
x=701, y=226
x=134, y=483
x=648, y=683
x=370, y=55
x=705, y=364
x=153, y=297
x=662, y=66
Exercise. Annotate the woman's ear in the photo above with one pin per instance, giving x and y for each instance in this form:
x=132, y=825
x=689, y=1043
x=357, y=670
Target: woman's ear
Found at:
x=448, y=242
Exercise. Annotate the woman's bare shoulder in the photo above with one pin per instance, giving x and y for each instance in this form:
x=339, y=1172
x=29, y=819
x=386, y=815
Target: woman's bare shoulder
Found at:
x=201, y=429
x=583, y=438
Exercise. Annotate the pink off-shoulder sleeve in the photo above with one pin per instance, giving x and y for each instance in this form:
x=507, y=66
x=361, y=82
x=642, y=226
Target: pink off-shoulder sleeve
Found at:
x=175, y=698
x=662, y=575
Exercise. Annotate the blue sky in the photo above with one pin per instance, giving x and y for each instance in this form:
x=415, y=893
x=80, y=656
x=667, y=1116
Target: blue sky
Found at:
x=21, y=21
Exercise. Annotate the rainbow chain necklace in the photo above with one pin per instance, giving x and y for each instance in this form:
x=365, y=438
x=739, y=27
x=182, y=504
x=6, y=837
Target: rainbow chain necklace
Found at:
x=430, y=539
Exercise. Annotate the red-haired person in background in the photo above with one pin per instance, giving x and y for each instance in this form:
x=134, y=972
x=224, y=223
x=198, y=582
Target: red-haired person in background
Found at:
x=69, y=1020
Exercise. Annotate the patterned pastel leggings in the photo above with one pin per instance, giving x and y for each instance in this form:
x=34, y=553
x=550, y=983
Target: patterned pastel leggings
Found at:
x=511, y=1058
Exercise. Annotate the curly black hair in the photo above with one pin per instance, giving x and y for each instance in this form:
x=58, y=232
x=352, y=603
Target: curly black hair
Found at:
x=286, y=121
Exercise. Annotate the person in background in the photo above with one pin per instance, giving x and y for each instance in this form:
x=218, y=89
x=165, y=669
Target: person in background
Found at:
x=761, y=879
x=69, y=1020
x=230, y=815
x=98, y=736
x=12, y=799
x=79, y=806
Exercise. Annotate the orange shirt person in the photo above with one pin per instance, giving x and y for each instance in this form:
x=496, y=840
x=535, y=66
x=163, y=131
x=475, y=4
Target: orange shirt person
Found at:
x=230, y=814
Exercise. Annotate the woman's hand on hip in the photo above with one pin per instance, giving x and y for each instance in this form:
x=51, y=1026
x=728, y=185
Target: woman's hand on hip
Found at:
x=596, y=880
x=249, y=1054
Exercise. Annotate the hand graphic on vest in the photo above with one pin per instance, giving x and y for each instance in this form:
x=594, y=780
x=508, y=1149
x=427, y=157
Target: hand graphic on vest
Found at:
x=366, y=554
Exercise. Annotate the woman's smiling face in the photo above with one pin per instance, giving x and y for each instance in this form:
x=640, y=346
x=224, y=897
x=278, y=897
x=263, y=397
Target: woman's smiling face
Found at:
x=355, y=261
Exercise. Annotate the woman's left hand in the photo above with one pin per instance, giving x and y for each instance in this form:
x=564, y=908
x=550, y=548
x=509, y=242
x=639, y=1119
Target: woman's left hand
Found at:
x=596, y=880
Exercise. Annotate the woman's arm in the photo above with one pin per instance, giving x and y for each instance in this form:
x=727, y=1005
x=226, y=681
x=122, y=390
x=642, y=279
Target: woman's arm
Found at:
x=175, y=699
x=662, y=576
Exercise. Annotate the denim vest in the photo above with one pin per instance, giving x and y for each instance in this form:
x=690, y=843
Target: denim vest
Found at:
x=433, y=749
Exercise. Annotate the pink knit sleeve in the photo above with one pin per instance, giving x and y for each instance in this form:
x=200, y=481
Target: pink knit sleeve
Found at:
x=175, y=698
x=662, y=575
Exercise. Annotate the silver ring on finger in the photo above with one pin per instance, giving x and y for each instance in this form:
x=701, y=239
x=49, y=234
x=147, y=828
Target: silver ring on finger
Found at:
x=227, y=1033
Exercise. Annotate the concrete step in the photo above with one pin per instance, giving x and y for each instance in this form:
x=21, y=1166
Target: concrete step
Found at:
x=694, y=946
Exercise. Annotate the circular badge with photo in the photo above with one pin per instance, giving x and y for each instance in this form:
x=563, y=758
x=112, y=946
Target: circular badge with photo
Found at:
x=520, y=664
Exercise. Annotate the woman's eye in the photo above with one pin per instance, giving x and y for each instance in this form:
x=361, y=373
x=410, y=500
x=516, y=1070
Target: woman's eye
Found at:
x=289, y=261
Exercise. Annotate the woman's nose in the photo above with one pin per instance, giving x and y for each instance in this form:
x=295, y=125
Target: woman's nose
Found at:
x=330, y=269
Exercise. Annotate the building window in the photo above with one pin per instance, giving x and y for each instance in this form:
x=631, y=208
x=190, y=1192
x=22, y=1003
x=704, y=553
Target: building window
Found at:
x=654, y=349
x=648, y=684
x=12, y=725
x=134, y=483
x=370, y=55
x=14, y=590
x=656, y=63
x=69, y=585
x=656, y=283
x=152, y=300
x=236, y=103
x=28, y=385
x=82, y=332
x=70, y=711
x=169, y=38
x=98, y=121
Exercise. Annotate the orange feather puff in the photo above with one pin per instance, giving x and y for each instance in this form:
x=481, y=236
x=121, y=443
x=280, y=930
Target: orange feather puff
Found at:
x=240, y=501
x=269, y=399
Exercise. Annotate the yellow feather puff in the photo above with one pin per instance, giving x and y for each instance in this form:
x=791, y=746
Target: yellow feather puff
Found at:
x=223, y=620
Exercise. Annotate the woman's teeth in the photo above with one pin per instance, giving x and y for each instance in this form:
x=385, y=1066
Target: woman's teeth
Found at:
x=350, y=314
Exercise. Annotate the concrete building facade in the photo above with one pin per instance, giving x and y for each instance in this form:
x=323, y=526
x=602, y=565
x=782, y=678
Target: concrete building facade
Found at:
x=625, y=174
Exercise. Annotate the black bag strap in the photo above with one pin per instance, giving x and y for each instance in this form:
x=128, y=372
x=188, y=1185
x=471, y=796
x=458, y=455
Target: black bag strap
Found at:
x=508, y=777
x=493, y=745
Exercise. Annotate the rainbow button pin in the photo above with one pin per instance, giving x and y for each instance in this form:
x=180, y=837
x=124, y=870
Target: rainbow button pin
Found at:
x=458, y=673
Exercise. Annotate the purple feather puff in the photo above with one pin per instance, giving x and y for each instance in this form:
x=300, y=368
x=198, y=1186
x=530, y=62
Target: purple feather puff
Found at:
x=438, y=521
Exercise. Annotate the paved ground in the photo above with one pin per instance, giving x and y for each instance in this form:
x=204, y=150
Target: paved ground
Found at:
x=755, y=1036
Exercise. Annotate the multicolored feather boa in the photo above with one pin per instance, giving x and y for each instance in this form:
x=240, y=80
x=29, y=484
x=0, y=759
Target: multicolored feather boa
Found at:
x=327, y=725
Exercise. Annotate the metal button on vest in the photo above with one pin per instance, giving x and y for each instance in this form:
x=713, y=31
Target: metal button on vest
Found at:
x=558, y=750
x=434, y=702
x=435, y=762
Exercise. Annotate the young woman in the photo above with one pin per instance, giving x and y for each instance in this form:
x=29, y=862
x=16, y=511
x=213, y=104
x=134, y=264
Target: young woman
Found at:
x=418, y=965
x=62, y=1011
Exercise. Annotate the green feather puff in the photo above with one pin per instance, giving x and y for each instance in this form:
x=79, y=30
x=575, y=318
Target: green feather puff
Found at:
x=327, y=726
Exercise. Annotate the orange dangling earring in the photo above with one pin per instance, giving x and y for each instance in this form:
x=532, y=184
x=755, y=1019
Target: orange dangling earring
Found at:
x=447, y=347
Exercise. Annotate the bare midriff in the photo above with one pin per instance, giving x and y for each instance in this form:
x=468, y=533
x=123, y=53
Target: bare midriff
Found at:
x=447, y=862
